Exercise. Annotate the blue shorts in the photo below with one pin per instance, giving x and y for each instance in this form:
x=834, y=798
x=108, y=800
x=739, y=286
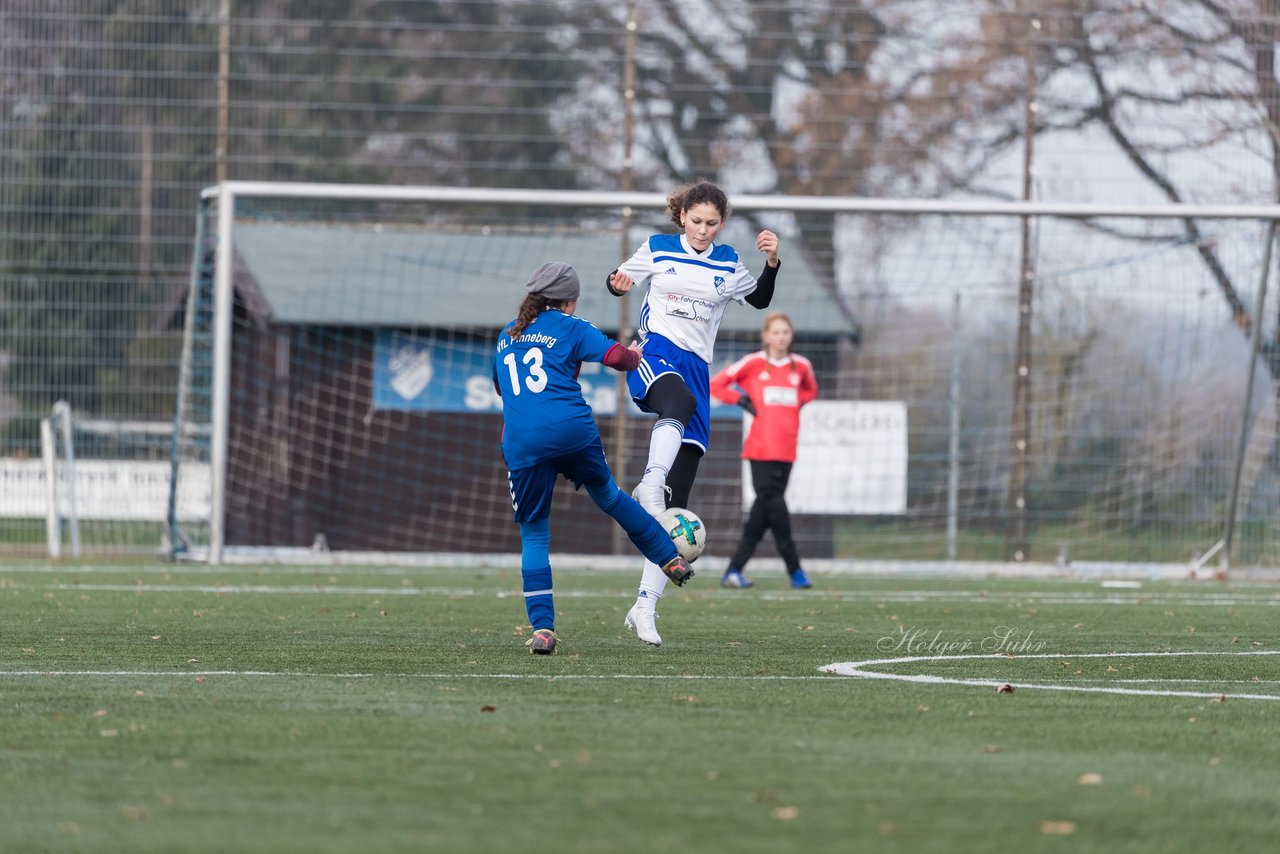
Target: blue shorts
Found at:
x=532, y=487
x=662, y=357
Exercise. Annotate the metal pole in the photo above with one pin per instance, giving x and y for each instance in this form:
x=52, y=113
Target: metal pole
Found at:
x=622, y=414
x=52, y=528
x=1017, y=545
x=953, y=449
x=62, y=412
x=185, y=369
x=223, y=303
x=224, y=88
x=1255, y=342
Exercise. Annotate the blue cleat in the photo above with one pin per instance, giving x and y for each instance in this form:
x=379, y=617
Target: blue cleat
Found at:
x=734, y=578
x=800, y=581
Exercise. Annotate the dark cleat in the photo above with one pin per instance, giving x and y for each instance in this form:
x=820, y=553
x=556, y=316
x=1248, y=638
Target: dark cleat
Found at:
x=543, y=642
x=678, y=570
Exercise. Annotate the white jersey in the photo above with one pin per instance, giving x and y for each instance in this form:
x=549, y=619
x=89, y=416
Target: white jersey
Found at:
x=688, y=291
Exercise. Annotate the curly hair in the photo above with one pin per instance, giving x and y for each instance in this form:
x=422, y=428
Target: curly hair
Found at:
x=532, y=306
x=683, y=198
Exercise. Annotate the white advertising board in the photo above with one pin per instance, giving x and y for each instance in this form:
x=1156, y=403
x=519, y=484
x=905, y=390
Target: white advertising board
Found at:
x=106, y=489
x=851, y=460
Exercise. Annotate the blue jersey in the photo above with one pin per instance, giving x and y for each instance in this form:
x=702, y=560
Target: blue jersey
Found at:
x=543, y=411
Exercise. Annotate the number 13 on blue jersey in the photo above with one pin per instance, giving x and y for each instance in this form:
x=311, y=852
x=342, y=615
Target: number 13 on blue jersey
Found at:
x=536, y=381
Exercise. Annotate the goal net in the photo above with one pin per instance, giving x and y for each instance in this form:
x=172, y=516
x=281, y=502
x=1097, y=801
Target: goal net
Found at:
x=999, y=381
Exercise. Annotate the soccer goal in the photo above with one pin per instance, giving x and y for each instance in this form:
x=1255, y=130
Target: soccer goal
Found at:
x=1023, y=382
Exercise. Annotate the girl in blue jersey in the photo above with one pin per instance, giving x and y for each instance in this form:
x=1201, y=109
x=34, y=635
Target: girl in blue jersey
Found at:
x=549, y=430
x=691, y=280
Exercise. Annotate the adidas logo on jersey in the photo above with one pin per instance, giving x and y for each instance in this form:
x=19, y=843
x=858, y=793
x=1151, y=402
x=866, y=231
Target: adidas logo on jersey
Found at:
x=670, y=271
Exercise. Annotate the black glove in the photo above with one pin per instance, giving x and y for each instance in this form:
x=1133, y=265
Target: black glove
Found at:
x=745, y=402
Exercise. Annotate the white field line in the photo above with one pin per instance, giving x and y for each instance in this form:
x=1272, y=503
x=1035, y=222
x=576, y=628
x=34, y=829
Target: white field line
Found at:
x=569, y=566
x=549, y=677
x=859, y=669
x=835, y=671
x=889, y=597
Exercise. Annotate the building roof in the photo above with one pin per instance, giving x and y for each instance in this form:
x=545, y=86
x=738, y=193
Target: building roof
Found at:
x=403, y=277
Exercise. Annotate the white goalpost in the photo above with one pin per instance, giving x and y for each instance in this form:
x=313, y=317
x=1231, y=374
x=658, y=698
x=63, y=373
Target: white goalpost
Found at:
x=334, y=393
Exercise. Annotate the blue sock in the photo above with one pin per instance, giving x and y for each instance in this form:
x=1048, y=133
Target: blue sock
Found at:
x=643, y=530
x=535, y=571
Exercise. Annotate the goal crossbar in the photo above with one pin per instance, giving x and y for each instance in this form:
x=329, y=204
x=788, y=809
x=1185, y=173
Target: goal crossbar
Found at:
x=231, y=190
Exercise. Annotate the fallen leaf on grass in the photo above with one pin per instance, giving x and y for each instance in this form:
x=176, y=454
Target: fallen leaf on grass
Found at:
x=1058, y=828
x=488, y=708
x=991, y=748
x=786, y=813
x=1093, y=778
x=1006, y=688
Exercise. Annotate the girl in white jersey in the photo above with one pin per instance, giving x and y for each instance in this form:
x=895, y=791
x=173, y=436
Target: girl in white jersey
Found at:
x=691, y=280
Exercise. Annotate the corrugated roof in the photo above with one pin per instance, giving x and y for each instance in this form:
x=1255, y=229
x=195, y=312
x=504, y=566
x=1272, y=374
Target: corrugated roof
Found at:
x=381, y=276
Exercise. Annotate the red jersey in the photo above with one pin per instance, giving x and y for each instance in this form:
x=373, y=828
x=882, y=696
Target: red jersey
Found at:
x=778, y=389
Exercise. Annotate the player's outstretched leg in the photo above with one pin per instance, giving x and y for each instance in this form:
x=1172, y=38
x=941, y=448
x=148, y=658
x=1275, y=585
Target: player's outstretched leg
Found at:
x=643, y=530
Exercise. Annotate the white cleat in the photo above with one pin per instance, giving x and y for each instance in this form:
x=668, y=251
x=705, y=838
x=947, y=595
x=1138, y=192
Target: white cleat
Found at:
x=644, y=623
x=652, y=497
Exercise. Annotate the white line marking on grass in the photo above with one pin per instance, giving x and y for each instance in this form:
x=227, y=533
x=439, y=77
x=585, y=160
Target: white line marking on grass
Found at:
x=1172, y=680
x=858, y=669
x=553, y=677
x=969, y=597
x=264, y=588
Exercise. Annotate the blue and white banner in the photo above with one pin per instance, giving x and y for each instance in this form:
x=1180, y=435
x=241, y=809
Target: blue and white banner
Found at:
x=415, y=373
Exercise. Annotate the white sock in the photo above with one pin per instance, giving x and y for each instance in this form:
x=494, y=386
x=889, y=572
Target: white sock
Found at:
x=664, y=444
x=652, y=585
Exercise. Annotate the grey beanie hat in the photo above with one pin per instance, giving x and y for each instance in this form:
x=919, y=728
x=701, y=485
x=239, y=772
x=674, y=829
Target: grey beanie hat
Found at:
x=555, y=280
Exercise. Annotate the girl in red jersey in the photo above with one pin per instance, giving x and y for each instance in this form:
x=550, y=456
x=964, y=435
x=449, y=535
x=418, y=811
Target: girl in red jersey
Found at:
x=772, y=385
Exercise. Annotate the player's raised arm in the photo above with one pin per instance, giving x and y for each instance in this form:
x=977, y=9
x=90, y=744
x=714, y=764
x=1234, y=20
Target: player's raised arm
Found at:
x=618, y=283
x=766, y=242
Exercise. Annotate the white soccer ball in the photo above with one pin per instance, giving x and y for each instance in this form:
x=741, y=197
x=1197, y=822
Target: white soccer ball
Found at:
x=686, y=530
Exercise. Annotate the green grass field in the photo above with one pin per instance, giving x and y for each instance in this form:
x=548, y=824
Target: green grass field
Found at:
x=182, y=708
